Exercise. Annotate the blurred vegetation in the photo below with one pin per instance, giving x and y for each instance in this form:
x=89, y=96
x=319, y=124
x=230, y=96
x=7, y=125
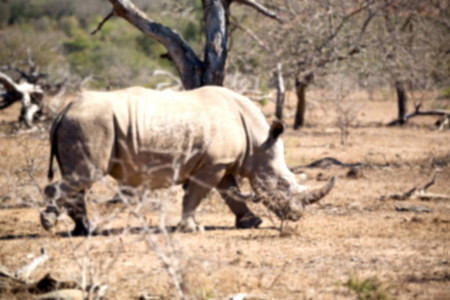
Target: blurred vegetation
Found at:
x=58, y=33
x=368, y=289
x=119, y=55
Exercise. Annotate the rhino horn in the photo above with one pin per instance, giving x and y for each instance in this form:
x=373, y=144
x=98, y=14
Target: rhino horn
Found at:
x=313, y=195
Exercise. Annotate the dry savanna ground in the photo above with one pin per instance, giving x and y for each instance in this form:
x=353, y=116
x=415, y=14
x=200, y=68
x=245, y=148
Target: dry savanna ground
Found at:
x=353, y=244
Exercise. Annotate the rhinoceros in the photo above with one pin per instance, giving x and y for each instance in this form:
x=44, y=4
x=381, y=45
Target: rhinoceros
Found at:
x=203, y=139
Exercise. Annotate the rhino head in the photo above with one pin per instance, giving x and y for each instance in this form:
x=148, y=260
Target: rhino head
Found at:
x=274, y=184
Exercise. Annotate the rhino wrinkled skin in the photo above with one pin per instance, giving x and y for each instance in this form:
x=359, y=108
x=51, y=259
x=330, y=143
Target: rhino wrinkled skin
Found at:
x=203, y=139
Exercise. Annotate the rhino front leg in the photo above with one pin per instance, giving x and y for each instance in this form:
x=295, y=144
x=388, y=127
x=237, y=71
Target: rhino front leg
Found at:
x=200, y=184
x=245, y=218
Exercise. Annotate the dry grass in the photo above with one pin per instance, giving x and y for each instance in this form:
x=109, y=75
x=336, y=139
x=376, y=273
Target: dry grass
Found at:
x=350, y=233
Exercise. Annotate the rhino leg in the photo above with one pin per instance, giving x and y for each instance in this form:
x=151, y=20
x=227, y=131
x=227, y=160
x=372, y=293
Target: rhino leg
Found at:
x=192, y=198
x=245, y=218
x=60, y=196
x=76, y=209
x=200, y=184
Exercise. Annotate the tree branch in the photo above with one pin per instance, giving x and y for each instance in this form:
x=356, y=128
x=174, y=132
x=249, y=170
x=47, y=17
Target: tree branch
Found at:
x=260, y=8
x=186, y=61
x=418, y=112
x=8, y=83
x=339, y=27
x=253, y=36
x=105, y=19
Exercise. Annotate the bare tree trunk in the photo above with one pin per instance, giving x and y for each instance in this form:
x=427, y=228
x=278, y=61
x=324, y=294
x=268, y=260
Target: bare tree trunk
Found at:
x=193, y=71
x=189, y=66
x=401, y=100
x=300, y=89
x=280, y=93
x=216, y=14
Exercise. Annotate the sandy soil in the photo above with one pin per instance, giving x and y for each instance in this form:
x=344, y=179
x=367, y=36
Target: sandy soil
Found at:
x=351, y=234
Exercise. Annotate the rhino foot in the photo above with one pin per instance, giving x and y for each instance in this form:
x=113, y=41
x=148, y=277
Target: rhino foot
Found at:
x=82, y=228
x=49, y=217
x=189, y=226
x=248, y=221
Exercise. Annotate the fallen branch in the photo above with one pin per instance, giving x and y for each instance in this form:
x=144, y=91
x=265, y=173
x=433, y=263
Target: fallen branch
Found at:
x=413, y=208
x=324, y=163
x=25, y=272
x=418, y=112
x=416, y=193
x=424, y=188
x=399, y=196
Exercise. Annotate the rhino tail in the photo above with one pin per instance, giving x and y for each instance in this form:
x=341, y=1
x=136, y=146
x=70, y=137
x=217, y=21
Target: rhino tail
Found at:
x=316, y=194
x=50, y=166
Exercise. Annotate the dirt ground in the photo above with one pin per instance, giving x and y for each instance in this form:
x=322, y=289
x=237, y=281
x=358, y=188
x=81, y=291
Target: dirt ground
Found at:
x=354, y=243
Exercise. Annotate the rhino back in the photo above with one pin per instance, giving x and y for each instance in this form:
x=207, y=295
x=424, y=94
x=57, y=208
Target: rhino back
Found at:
x=158, y=133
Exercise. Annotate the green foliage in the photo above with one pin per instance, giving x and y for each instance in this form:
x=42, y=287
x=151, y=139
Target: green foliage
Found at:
x=15, y=41
x=445, y=93
x=367, y=289
x=192, y=31
x=58, y=33
x=4, y=15
x=24, y=10
x=69, y=25
x=80, y=43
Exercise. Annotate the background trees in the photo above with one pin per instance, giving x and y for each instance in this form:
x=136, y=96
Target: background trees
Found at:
x=402, y=45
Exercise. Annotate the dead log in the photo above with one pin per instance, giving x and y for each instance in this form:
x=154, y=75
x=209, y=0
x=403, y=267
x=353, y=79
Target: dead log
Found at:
x=30, y=95
x=413, y=208
x=24, y=272
x=29, y=88
x=324, y=163
x=418, y=112
x=17, y=286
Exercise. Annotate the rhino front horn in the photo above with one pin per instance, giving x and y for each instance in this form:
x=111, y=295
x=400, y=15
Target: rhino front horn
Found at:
x=315, y=194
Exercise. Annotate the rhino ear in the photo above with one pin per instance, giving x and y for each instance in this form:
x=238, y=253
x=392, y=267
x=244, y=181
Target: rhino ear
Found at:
x=276, y=129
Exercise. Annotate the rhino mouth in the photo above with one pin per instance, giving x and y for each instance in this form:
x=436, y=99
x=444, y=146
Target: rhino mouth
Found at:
x=288, y=206
x=292, y=215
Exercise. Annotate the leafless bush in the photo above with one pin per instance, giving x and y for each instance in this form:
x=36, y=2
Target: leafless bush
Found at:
x=345, y=107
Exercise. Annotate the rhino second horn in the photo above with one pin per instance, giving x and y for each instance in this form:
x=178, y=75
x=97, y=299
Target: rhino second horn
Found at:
x=314, y=195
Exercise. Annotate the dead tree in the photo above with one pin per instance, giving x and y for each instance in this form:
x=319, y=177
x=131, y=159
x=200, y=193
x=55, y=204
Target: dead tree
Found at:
x=418, y=112
x=399, y=82
x=280, y=93
x=300, y=90
x=194, y=71
x=318, y=59
x=29, y=88
x=30, y=95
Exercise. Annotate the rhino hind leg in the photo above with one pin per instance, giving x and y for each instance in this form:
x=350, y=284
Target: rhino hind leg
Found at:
x=49, y=217
x=245, y=218
x=76, y=209
x=61, y=197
